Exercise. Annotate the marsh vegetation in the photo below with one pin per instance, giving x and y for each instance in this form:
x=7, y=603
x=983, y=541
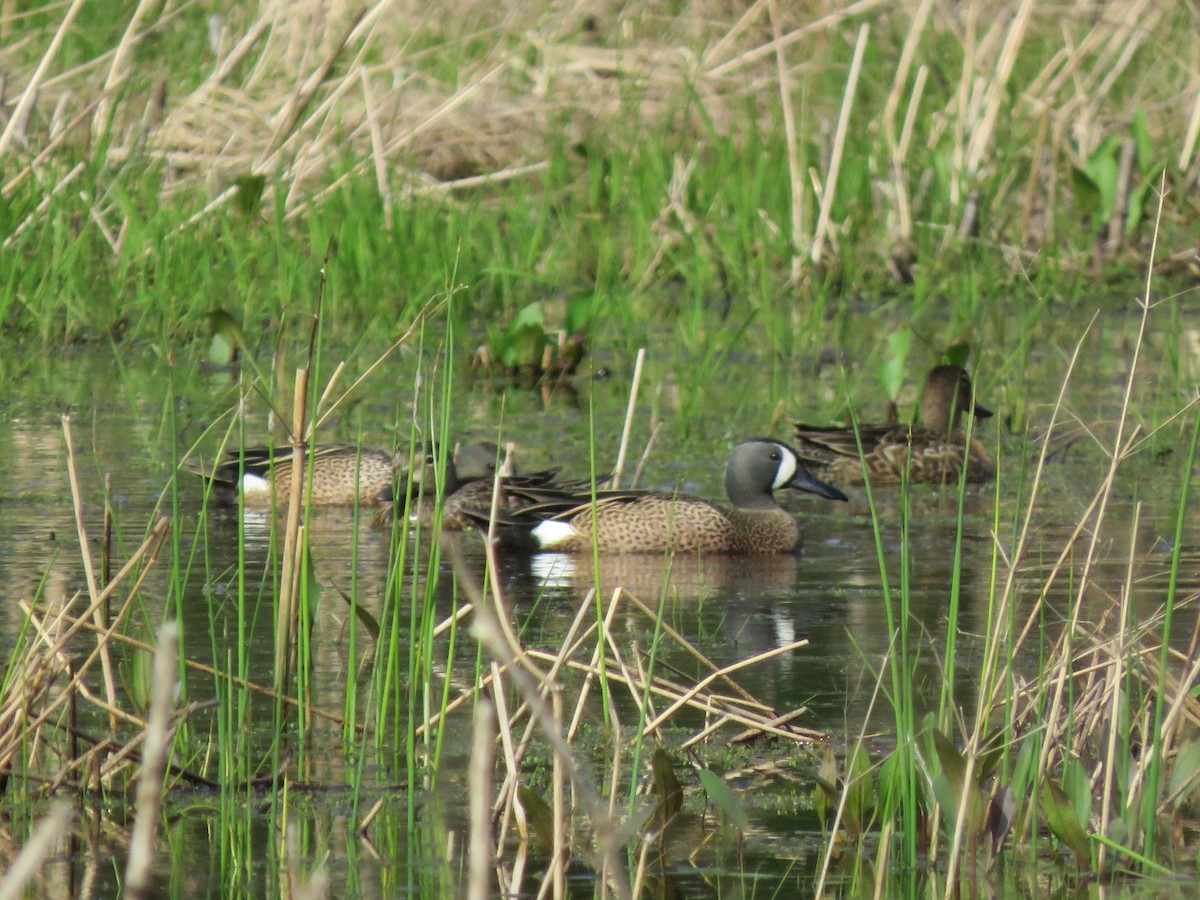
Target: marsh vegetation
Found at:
x=299, y=223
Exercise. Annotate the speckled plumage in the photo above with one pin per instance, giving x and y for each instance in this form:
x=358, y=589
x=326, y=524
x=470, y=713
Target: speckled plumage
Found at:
x=934, y=451
x=469, y=478
x=656, y=522
x=341, y=476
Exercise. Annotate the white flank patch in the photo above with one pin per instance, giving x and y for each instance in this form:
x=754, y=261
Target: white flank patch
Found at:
x=255, y=484
x=787, y=469
x=551, y=533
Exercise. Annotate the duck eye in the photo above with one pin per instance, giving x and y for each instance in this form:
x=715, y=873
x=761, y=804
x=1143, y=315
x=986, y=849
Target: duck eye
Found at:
x=430, y=460
x=776, y=456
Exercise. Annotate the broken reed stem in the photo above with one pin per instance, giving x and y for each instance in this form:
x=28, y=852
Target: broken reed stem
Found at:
x=287, y=611
x=839, y=146
x=94, y=593
x=154, y=759
x=481, y=782
x=629, y=410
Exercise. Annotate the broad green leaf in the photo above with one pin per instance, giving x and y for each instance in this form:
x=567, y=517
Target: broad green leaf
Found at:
x=891, y=373
x=249, y=193
x=958, y=353
x=825, y=794
x=539, y=816
x=1064, y=823
x=666, y=786
x=1185, y=771
x=1077, y=786
x=724, y=800
x=533, y=314
x=1104, y=168
x=860, y=791
x=1147, y=164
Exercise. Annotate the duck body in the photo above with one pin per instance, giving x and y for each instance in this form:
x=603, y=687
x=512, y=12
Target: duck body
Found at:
x=935, y=451
x=617, y=521
x=342, y=475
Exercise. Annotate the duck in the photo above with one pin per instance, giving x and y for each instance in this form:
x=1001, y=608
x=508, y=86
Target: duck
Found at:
x=935, y=451
x=342, y=475
x=640, y=521
x=467, y=493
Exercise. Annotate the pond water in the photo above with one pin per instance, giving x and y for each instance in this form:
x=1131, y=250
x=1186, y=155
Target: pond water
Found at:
x=134, y=415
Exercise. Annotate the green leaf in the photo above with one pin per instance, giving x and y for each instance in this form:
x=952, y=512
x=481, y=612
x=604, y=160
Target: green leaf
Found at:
x=1086, y=191
x=667, y=787
x=825, y=794
x=958, y=353
x=1144, y=157
x=860, y=791
x=539, y=816
x=724, y=800
x=249, y=193
x=1185, y=771
x=533, y=314
x=1104, y=168
x=227, y=337
x=1064, y=823
x=891, y=373
x=1077, y=786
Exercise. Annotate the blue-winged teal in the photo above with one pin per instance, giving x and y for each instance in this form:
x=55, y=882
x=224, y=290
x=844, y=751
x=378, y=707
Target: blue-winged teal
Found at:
x=934, y=451
x=342, y=475
x=631, y=521
x=469, y=479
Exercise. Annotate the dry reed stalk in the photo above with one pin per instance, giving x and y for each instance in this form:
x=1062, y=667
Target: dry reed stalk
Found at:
x=495, y=639
x=154, y=760
x=480, y=783
x=768, y=49
x=46, y=837
x=42, y=206
x=822, y=231
x=981, y=131
x=405, y=138
x=47, y=151
x=382, y=184
x=568, y=647
x=88, y=569
x=214, y=672
x=615, y=478
x=1187, y=151
x=592, y=668
x=431, y=307
x=288, y=610
x=117, y=70
x=705, y=703
x=512, y=759
x=1115, y=675
x=800, y=241
x=24, y=108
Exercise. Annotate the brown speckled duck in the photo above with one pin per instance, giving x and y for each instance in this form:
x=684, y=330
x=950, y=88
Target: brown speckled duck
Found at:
x=632, y=521
x=934, y=451
x=469, y=478
x=342, y=475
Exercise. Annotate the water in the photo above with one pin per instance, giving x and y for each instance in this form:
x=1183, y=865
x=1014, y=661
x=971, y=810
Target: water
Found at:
x=133, y=417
